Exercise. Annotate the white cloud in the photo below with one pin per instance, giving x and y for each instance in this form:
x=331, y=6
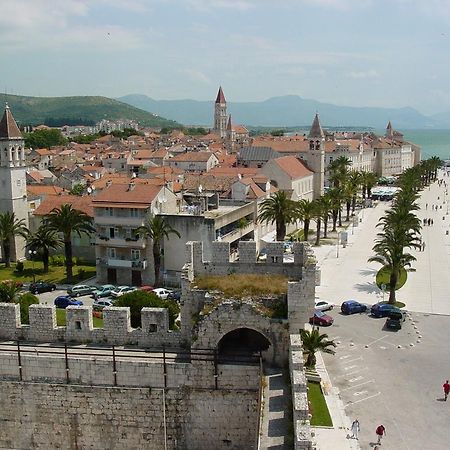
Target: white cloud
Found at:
x=205, y=5
x=364, y=74
x=197, y=75
x=339, y=4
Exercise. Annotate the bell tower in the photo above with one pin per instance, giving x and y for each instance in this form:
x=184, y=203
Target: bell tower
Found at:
x=220, y=114
x=316, y=156
x=13, y=188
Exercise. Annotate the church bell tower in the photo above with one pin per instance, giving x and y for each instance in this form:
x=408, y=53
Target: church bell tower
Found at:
x=13, y=188
x=316, y=156
x=220, y=114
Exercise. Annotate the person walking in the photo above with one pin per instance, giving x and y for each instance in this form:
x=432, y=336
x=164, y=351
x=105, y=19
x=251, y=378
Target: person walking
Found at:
x=355, y=429
x=423, y=246
x=380, y=431
x=446, y=387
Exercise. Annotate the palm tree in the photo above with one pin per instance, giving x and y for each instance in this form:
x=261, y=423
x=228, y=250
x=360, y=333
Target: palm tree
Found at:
x=66, y=220
x=305, y=212
x=369, y=179
x=436, y=162
x=44, y=240
x=318, y=215
x=10, y=227
x=327, y=207
x=278, y=208
x=336, y=198
x=338, y=171
x=9, y=291
x=314, y=342
x=156, y=229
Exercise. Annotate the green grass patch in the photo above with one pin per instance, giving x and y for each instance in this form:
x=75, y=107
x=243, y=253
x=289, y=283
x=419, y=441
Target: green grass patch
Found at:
x=384, y=274
x=318, y=406
x=296, y=235
x=56, y=274
x=61, y=319
x=397, y=304
x=241, y=285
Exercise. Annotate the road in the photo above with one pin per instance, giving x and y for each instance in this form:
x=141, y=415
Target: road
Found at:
x=393, y=378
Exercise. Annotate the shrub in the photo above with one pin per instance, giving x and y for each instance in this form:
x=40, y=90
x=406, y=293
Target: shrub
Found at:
x=81, y=273
x=139, y=299
x=25, y=301
x=56, y=260
x=19, y=267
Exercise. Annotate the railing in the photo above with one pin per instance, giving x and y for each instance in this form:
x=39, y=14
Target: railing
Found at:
x=113, y=354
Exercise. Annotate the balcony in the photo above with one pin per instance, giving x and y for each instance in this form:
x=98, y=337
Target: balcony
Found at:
x=120, y=242
x=119, y=221
x=237, y=233
x=123, y=263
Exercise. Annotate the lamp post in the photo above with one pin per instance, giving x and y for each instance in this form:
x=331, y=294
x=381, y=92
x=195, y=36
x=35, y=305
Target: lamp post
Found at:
x=32, y=254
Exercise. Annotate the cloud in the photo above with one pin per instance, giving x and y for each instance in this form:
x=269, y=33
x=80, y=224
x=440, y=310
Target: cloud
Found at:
x=206, y=5
x=339, y=4
x=197, y=75
x=364, y=74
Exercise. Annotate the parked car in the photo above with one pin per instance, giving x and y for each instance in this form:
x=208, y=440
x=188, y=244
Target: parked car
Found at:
x=146, y=288
x=63, y=301
x=41, y=286
x=320, y=318
x=98, y=305
x=103, y=291
x=174, y=295
x=262, y=256
x=120, y=290
x=81, y=289
x=395, y=320
x=323, y=305
x=162, y=293
x=383, y=309
x=352, y=307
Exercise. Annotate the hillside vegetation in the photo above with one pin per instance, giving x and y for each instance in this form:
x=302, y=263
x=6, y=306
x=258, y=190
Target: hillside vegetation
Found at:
x=58, y=111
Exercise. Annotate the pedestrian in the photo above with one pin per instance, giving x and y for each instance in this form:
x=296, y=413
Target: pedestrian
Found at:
x=380, y=431
x=426, y=206
x=424, y=222
x=429, y=222
x=446, y=388
x=423, y=246
x=432, y=221
x=355, y=428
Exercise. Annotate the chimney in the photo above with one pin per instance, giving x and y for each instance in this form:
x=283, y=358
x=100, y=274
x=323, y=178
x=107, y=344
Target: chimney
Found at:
x=108, y=183
x=131, y=185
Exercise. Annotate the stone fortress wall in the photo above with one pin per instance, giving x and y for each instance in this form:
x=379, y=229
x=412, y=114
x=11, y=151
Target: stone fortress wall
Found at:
x=90, y=401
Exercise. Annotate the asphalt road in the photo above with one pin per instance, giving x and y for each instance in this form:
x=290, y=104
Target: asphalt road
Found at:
x=400, y=388
x=48, y=298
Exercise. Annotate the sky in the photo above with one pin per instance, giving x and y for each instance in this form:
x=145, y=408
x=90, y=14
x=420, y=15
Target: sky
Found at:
x=391, y=53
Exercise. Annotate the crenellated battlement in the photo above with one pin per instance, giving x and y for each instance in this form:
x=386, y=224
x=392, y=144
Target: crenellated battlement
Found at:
x=221, y=263
x=116, y=330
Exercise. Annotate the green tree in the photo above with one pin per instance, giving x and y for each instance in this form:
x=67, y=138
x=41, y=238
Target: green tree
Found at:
x=314, y=342
x=327, y=207
x=25, y=300
x=9, y=291
x=42, y=241
x=368, y=181
x=67, y=220
x=44, y=138
x=336, y=198
x=139, y=299
x=305, y=212
x=10, y=227
x=318, y=215
x=278, y=209
x=338, y=171
x=78, y=189
x=156, y=229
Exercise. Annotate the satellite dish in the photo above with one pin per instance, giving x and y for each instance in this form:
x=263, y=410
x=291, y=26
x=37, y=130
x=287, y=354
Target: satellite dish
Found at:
x=200, y=188
x=133, y=175
x=89, y=190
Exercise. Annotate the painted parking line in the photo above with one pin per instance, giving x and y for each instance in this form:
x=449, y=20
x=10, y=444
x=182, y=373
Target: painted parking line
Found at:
x=361, y=400
x=345, y=356
x=358, y=385
x=350, y=367
x=353, y=380
x=357, y=394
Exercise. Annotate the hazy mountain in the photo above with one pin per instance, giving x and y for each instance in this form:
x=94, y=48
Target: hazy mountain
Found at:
x=289, y=110
x=78, y=110
x=442, y=118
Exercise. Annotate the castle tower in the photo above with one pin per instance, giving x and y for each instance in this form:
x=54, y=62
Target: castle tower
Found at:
x=229, y=136
x=220, y=114
x=13, y=188
x=316, y=156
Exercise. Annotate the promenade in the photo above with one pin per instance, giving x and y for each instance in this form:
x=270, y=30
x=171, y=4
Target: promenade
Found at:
x=355, y=384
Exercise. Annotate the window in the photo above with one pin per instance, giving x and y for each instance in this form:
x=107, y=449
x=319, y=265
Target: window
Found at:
x=134, y=212
x=135, y=254
x=77, y=325
x=111, y=253
x=109, y=212
x=153, y=328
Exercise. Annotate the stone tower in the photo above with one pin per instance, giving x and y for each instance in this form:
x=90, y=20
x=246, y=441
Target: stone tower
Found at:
x=13, y=188
x=220, y=114
x=316, y=155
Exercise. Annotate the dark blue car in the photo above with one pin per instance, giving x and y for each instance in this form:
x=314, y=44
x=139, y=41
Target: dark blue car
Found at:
x=352, y=307
x=63, y=301
x=383, y=309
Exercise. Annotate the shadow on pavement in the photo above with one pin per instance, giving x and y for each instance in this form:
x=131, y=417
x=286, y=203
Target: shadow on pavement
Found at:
x=370, y=288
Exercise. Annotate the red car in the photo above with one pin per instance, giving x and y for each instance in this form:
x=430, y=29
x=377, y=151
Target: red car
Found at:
x=320, y=318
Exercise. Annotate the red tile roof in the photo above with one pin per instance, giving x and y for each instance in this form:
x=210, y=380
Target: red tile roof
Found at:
x=193, y=156
x=56, y=201
x=292, y=167
x=142, y=194
x=8, y=126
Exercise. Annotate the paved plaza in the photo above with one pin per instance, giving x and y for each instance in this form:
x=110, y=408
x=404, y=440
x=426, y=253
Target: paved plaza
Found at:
x=379, y=376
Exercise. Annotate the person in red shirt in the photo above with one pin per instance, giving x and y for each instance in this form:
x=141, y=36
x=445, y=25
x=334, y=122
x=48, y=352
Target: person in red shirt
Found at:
x=446, y=387
x=380, y=431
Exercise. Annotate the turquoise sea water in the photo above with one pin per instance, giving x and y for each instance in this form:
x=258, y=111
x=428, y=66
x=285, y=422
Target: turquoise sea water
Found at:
x=432, y=142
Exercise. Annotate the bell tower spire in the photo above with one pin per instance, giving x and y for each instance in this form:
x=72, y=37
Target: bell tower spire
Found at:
x=220, y=114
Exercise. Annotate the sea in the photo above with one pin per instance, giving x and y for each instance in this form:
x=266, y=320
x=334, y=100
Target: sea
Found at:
x=432, y=142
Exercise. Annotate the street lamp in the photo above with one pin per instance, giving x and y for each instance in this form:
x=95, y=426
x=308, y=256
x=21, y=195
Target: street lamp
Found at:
x=32, y=254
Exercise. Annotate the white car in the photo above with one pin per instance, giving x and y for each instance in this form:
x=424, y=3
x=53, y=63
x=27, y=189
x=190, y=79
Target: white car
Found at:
x=98, y=305
x=323, y=305
x=120, y=290
x=162, y=293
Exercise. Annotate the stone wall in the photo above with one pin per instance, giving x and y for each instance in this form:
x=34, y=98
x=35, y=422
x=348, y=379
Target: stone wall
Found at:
x=43, y=416
x=300, y=409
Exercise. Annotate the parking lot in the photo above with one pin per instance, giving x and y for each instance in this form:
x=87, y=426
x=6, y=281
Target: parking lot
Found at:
x=48, y=298
x=393, y=378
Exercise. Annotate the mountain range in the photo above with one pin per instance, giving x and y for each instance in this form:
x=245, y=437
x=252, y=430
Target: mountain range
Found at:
x=289, y=111
x=58, y=111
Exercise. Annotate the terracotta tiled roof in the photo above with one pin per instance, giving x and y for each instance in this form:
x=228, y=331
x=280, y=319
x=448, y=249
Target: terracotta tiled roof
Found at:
x=43, y=151
x=294, y=144
x=8, y=126
x=193, y=156
x=122, y=178
x=143, y=154
x=43, y=189
x=209, y=183
x=234, y=171
x=122, y=193
x=292, y=167
x=56, y=201
x=240, y=129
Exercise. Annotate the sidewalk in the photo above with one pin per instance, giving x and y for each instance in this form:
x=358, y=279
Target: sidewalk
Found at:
x=333, y=438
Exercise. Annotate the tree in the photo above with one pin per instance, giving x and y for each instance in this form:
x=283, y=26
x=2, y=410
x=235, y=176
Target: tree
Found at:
x=314, y=342
x=25, y=300
x=305, y=210
x=156, y=229
x=44, y=138
x=317, y=215
x=338, y=171
x=9, y=291
x=336, y=199
x=10, y=227
x=67, y=220
x=78, y=189
x=44, y=240
x=327, y=207
x=368, y=181
x=278, y=209
x=139, y=299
